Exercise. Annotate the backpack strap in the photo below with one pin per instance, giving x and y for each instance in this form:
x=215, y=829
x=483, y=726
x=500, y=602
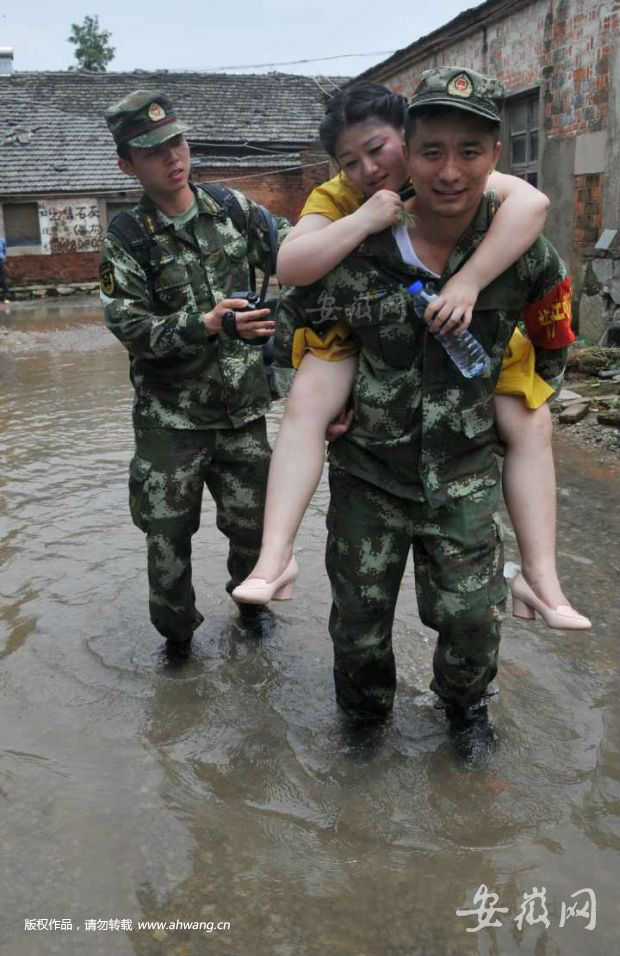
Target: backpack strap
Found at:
x=135, y=234
x=225, y=198
x=274, y=242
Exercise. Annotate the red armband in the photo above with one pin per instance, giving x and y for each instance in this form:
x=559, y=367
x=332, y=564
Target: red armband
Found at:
x=548, y=321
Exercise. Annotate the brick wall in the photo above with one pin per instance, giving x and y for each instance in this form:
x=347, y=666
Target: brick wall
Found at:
x=54, y=268
x=284, y=193
x=565, y=47
x=588, y=210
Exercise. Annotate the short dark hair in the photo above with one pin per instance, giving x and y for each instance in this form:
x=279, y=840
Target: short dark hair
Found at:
x=124, y=152
x=439, y=112
x=357, y=103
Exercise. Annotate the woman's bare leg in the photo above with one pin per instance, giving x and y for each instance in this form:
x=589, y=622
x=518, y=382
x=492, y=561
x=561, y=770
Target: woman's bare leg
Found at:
x=529, y=491
x=319, y=392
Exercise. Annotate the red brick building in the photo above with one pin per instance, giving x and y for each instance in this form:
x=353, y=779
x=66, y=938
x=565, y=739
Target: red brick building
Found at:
x=59, y=180
x=560, y=63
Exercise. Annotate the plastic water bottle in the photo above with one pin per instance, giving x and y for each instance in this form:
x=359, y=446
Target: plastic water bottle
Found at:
x=464, y=350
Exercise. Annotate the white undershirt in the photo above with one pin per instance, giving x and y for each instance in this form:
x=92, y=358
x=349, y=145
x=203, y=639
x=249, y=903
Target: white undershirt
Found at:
x=403, y=240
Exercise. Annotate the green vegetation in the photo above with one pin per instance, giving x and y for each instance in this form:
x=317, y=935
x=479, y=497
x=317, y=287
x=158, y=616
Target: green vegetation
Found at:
x=92, y=48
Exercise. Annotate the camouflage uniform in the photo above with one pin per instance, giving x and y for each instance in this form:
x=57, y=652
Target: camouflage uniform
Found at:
x=200, y=398
x=417, y=467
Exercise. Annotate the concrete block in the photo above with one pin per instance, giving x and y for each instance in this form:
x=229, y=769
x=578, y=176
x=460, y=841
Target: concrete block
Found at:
x=557, y=167
x=607, y=239
x=603, y=269
x=592, y=317
x=591, y=153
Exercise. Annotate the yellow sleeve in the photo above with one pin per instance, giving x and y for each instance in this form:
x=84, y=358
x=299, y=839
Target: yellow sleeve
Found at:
x=334, y=199
x=519, y=376
x=334, y=346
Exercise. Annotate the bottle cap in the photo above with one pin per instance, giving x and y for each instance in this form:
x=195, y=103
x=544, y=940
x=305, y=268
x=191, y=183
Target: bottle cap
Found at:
x=415, y=287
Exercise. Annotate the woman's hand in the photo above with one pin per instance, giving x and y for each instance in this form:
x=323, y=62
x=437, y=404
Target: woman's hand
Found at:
x=452, y=310
x=383, y=209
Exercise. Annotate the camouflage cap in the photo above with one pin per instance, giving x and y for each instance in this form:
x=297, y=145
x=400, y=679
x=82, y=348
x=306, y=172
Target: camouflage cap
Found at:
x=143, y=118
x=460, y=88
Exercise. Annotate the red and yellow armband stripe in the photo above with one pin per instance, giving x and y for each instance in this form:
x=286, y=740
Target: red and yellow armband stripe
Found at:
x=548, y=321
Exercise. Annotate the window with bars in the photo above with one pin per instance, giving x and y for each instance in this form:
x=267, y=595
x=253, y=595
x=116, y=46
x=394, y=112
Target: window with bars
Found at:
x=522, y=114
x=21, y=224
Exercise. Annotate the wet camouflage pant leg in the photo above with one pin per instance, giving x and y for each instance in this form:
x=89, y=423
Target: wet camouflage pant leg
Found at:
x=461, y=592
x=167, y=475
x=368, y=543
x=460, y=589
x=237, y=479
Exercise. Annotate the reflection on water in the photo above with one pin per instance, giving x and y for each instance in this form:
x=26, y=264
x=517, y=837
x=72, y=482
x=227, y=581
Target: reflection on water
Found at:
x=229, y=789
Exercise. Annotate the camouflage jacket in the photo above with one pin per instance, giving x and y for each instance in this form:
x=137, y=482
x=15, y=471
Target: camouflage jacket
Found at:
x=185, y=377
x=421, y=430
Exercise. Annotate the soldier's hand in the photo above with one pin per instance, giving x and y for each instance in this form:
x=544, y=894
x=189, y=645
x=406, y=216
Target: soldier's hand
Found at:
x=452, y=310
x=250, y=325
x=254, y=324
x=340, y=425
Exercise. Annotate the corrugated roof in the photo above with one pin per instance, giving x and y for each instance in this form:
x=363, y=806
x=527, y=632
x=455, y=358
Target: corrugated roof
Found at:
x=53, y=136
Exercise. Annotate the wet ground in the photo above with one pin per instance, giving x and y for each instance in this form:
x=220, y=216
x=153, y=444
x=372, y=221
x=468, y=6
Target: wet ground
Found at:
x=229, y=790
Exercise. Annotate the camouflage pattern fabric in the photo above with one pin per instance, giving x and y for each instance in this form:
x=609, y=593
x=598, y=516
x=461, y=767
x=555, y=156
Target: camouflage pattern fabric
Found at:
x=183, y=376
x=167, y=475
x=458, y=558
x=459, y=88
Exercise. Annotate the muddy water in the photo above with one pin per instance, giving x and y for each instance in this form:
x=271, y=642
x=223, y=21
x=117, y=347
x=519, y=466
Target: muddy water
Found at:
x=228, y=790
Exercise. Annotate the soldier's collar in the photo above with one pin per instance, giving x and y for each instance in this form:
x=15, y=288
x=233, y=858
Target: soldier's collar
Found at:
x=206, y=204
x=150, y=216
x=383, y=246
x=153, y=218
x=475, y=232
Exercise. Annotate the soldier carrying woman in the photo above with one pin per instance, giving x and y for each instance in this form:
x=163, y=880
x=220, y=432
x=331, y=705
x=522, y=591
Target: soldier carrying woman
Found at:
x=417, y=465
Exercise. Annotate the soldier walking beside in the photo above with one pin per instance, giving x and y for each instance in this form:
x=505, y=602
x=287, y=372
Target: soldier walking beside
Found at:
x=417, y=468
x=170, y=269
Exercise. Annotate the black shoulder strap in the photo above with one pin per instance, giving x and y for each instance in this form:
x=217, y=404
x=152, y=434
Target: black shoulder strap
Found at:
x=225, y=198
x=133, y=235
x=274, y=242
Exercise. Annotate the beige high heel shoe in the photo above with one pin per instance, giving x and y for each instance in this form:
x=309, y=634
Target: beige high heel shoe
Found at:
x=259, y=591
x=525, y=603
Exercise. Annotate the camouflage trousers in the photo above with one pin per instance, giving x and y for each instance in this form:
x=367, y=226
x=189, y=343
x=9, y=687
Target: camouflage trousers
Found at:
x=166, y=479
x=460, y=589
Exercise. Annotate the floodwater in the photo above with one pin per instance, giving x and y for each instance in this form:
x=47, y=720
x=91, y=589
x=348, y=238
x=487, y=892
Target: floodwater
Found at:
x=228, y=790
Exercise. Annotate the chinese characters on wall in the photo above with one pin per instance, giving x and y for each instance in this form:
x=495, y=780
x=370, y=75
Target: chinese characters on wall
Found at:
x=69, y=225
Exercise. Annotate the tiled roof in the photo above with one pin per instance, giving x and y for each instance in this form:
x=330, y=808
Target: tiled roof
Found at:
x=53, y=137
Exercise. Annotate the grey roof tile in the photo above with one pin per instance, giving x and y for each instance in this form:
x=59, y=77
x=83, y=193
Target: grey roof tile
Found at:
x=53, y=137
